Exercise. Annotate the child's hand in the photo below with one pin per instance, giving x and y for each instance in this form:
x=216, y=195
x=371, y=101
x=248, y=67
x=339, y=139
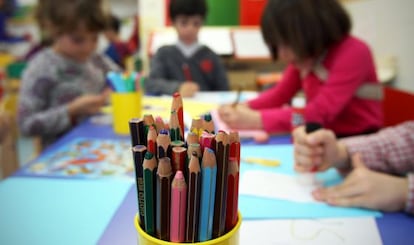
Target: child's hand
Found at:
x=188, y=89
x=5, y=123
x=320, y=149
x=367, y=189
x=240, y=117
x=87, y=104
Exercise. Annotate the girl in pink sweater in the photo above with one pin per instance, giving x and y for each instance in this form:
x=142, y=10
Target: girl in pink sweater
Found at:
x=334, y=69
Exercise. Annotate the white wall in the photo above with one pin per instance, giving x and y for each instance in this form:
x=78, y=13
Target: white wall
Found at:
x=388, y=26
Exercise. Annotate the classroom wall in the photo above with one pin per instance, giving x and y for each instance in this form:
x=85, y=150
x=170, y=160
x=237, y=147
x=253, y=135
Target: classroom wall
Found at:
x=387, y=26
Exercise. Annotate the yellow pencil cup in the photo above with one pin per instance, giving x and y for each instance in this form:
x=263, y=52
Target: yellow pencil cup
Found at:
x=230, y=238
x=124, y=107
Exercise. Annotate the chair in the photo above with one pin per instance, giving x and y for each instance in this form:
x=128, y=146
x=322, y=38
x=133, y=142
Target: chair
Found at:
x=397, y=106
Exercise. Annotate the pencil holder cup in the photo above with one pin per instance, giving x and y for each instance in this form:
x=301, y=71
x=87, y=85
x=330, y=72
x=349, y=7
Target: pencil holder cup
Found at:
x=230, y=238
x=124, y=107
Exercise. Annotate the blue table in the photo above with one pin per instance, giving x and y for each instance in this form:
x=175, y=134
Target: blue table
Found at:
x=116, y=218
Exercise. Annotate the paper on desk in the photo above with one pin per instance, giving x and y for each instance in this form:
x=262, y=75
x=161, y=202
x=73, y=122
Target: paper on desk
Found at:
x=285, y=208
x=348, y=231
x=276, y=185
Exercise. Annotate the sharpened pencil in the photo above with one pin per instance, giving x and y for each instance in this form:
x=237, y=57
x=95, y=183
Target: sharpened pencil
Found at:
x=163, y=144
x=178, y=208
x=163, y=197
x=139, y=155
x=150, y=174
x=232, y=194
x=177, y=105
x=193, y=202
x=208, y=189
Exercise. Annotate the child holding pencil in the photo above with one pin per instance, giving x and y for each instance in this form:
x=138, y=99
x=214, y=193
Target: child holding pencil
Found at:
x=187, y=66
x=334, y=69
x=65, y=83
x=379, y=167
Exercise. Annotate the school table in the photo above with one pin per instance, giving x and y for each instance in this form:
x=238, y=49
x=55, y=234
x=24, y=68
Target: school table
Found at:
x=89, y=217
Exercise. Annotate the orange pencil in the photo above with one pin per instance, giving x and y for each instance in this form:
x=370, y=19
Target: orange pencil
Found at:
x=232, y=194
x=178, y=208
x=163, y=198
x=177, y=105
x=222, y=156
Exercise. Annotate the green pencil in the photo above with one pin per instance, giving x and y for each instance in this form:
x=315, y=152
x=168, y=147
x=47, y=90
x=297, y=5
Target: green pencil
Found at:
x=150, y=166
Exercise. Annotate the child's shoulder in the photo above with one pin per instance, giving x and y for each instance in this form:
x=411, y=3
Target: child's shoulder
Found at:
x=43, y=62
x=168, y=50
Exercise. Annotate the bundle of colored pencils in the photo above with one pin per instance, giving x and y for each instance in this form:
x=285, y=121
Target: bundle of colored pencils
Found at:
x=187, y=188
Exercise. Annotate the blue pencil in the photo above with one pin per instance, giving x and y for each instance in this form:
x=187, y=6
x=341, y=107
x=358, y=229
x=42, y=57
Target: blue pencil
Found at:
x=208, y=189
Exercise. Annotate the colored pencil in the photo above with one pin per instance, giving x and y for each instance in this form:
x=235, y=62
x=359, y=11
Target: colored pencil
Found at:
x=136, y=129
x=175, y=131
x=139, y=154
x=159, y=124
x=208, y=189
x=163, y=197
x=208, y=124
x=232, y=194
x=206, y=140
x=234, y=141
x=178, y=208
x=236, y=102
x=192, y=138
x=197, y=126
x=163, y=144
x=179, y=158
x=177, y=105
x=149, y=166
x=193, y=203
x=152, y=140
x=309, y=128
x=222, y=157
x=177, y=143
x=148, y=121
x=194, y=148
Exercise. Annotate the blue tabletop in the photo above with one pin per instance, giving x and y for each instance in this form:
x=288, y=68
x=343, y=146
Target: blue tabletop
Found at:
x=115, y=218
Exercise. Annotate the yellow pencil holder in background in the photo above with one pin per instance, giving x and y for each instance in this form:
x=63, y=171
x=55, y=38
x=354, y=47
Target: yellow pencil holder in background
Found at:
x=124, y=107
x=230, y=238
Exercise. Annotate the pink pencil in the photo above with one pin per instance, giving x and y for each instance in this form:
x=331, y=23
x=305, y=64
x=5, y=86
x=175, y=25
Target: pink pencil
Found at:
x=178, y=208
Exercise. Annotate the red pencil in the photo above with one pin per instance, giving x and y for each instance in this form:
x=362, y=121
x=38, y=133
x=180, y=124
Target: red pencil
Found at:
x=152, y=140
x=179, y=157
x=232, y=194
x=234, y=141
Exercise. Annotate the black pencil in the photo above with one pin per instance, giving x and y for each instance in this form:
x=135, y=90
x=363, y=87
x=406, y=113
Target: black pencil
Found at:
x=193, y=199
x=139, y=155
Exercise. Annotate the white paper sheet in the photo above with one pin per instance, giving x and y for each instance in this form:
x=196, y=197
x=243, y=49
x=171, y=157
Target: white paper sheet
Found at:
x=274, y=185
x=352, y=231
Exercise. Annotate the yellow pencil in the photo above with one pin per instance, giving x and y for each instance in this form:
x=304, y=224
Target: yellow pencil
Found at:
x=261, y=161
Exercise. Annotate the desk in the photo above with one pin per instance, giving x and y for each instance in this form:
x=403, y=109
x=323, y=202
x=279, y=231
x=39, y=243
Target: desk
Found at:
x=115, y=206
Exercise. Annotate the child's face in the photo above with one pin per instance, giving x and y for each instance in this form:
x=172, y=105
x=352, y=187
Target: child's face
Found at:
x=78, y=45
x=187, y=28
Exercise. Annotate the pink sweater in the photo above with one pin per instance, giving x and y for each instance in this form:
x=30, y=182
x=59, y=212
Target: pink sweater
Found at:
x=331, y=102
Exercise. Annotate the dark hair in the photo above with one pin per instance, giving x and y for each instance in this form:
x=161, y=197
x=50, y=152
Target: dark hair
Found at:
x=187, y=8
x=114, y=23
x=58, y=17
x=308, y=27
